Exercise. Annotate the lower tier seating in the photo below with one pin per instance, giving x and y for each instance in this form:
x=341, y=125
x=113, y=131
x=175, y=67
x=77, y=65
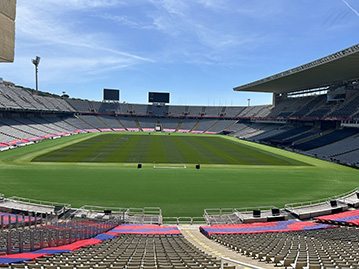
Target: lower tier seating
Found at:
x=328, y=248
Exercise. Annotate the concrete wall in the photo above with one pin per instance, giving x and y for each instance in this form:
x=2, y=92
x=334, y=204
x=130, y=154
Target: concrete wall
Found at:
x=7, y=30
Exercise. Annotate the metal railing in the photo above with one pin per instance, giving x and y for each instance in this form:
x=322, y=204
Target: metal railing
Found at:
x=145, y=211
x=293, y=206
x=183, y=220
x=343, y=196
x=38, y=202
x=218, y=211
x=100, y=212
x=221, y=216
x=261, y=208
x=146, y=215
x=103, y=208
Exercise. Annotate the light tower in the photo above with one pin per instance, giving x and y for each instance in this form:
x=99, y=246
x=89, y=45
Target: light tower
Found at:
x=36, y=62
x=249, y=102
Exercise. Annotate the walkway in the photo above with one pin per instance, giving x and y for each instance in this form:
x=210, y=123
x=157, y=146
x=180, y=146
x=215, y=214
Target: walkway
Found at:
x=192, y=234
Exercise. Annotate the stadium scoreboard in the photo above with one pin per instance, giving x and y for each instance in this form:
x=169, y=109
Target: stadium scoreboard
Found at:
x=111, y=95
x=158, y=97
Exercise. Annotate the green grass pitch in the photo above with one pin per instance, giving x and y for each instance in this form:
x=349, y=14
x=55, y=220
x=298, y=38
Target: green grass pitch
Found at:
x=147, y=148
x=101, y=169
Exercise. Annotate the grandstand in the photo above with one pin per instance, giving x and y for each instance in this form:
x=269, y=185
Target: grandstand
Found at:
x=306, y=117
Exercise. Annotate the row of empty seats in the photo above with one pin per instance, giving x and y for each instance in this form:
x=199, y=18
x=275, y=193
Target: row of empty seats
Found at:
x=19, y=98
x=328, y=248
x=123, y=246
x=168, y=110
x=132, y=251
x=12, y=97
x=313, y=107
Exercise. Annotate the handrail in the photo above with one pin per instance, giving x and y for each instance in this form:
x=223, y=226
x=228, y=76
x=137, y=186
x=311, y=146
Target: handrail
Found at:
x=306, y=203
x=145, y=211
x=246, y=209
x=39, y=202
x=343, y=195
x=299, y=204
x=239, y=263
x=215, y=211
x=183, y=220
x=102, y=208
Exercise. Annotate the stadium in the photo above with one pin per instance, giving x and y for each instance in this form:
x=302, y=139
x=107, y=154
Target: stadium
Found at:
x=109, y=184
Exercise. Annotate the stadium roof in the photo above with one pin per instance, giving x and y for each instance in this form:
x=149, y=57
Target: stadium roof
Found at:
x=335, y=68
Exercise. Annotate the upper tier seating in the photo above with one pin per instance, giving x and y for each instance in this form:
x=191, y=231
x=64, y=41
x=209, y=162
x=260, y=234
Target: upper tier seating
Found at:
x=282, y=106
x=195, y=110
x=140, y=109
x=80, y=105
x=233, y=111
x=349, y=108
x=305, y=109
x=320, y=112
x=255, y=111
x=12, y=96
x=214, y=111
x=6, y=101
x=19, y=98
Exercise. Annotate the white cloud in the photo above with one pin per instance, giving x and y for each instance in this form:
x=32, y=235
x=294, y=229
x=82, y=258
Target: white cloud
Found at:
x=68, y=51
x=351, y=8
x=174, y=7
x=218, y=5
x=45, y=28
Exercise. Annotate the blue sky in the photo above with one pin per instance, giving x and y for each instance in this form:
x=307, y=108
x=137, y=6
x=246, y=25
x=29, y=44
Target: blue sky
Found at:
x=197, y=50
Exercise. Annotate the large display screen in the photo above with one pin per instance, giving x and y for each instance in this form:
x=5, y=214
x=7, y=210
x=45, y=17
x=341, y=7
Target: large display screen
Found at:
x=111, y=94
x=158, y=97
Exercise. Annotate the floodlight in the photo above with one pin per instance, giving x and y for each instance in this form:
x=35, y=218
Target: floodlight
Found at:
x=36, y=62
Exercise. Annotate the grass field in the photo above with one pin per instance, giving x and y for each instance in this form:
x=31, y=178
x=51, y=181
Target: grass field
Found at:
x=179, y=192
x=147, y=148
